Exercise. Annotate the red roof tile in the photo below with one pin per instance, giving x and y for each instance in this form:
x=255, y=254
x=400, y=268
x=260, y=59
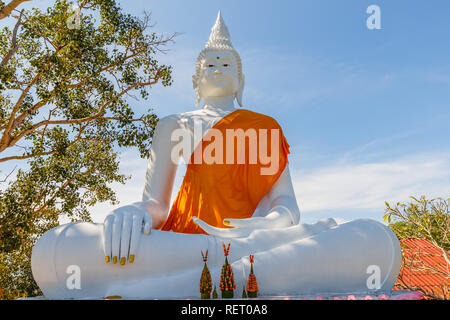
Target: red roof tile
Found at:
x=420, y=256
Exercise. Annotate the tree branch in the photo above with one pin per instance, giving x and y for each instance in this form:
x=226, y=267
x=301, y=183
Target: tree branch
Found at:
x=40, y=104
x=6, y=138
x=100, y=111
x=45, y=205
x=55, y=194
x=6, y=10
x=7, y=176
x=47, y=153
x=14, y=45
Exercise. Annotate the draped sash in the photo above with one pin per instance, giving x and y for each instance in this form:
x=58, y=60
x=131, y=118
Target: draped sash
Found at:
x=231, y=189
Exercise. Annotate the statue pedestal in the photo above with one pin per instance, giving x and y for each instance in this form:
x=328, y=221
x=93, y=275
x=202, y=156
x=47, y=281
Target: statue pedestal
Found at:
x=394, y=295
x=300, y=260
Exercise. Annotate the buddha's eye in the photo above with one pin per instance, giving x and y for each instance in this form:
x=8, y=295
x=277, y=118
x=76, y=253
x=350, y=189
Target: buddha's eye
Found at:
x=210, y=65
x=226, y=65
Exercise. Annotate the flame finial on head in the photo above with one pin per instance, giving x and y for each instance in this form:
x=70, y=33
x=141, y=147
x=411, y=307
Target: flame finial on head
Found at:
x=220, y=36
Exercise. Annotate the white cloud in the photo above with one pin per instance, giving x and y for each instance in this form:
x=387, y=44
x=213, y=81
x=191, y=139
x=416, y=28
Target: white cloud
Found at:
x=366, y=186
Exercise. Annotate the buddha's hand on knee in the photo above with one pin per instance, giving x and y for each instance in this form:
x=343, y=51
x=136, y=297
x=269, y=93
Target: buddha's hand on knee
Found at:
x=223, y=232
x=122, y=231
x=276, y=218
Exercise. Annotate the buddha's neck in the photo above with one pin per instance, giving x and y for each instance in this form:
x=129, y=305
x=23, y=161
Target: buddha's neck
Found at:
x=219, y=103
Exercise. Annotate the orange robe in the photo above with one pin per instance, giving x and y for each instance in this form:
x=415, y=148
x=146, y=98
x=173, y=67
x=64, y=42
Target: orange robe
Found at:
x=213, y=192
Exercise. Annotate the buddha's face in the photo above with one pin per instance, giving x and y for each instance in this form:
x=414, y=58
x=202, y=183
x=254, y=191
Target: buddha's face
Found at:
x=218, y=75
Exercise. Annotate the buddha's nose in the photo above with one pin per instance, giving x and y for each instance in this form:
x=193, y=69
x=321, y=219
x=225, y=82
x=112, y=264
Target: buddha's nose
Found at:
x=217, y=71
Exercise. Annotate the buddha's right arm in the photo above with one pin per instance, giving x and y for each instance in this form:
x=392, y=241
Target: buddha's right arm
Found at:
x=123, y=227
x=161, y=170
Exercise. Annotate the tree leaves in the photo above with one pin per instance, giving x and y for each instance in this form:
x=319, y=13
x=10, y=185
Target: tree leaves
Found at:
x=64, y=114
x=422, y=218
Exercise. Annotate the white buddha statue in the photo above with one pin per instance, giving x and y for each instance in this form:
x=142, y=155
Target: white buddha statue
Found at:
x=151, y=249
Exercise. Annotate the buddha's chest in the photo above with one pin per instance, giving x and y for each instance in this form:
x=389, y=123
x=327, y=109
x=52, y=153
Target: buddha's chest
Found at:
x=194, y=122
x=195, y=126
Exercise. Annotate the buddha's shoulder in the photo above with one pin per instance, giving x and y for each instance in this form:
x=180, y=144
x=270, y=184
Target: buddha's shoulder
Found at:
x=183, y=119
x=258, y=116
x=168, y=121
x=254, y=114
x=188, y=116
x=193, y=114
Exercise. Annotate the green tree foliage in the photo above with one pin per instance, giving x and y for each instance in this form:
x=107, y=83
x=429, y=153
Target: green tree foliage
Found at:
x=421, y=218
x=428, y=219
x=65, y=76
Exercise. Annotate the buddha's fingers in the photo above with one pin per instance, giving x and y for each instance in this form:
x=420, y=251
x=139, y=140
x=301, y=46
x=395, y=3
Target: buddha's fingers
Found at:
x=116, y=235
x=222, y=232
x=147, y=224
x=125, y=238
x=135, y=237
x=107, y=237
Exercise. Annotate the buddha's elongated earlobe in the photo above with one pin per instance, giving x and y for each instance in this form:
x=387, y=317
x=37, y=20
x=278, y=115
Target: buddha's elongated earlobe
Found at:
x=196, y=90
x=239, y=92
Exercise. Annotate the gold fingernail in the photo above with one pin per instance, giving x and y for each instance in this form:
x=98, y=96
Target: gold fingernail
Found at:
x=131, y=260
x=114, y=259
x=123, y=260
x=107, y=259
x=226, y=222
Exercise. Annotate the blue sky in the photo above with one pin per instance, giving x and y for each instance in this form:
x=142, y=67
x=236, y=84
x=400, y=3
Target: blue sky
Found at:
x=366, y=112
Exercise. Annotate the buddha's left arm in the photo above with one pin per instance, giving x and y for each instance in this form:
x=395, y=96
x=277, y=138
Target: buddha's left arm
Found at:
x=283, y=209
x=283, y=203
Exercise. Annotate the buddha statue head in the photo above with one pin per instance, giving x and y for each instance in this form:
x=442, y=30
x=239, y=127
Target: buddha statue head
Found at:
x=218, y=69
